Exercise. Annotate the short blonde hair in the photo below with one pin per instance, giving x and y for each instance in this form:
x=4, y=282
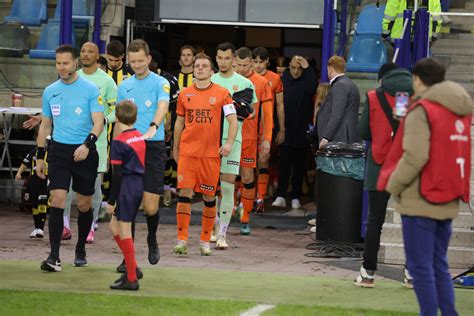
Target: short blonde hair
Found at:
x=337, y=63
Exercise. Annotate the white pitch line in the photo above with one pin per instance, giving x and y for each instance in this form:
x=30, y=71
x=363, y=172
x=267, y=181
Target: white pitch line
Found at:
x=257, y=310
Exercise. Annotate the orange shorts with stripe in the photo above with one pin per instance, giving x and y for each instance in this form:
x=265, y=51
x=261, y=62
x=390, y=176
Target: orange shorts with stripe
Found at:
x=199, y=174
x=248, y=158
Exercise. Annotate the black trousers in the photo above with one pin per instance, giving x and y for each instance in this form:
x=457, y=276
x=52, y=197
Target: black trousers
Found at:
x=378, y=202
x=292, y=162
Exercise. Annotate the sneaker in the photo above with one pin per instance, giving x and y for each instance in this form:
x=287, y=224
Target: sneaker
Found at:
x=215, y=229
x=33, y=233
x=167, y=199
x=124, y=276
x=365, y=279
x=295, y=204
x=446, y=20
x=407, y=279
x=66, y=234
x=51, y=265
x=90, y=237
x=244, y=229
x=153, y=251
x=312, y=222
x=122, y=268
x=39, y=233
x=312, y=229
x=181, y=247
x=80, y=258
x=125, y=285
x=259, y=206
x=221, y=243
x=205, y=248
x=279, y=202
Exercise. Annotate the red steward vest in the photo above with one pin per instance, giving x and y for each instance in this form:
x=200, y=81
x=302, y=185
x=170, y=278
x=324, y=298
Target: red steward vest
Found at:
x=445, y=177
x=380, y=128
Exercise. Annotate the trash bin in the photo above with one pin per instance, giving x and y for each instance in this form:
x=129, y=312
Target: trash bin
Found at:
x=340, y=175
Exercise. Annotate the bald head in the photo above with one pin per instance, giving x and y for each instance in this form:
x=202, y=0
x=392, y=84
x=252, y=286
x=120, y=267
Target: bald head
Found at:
x=89, y=55
x=296, y=70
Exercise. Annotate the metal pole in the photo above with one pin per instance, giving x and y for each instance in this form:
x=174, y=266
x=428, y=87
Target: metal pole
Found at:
x=343, y=31
x=65, y=26
x=328, y=37
x=97, y=20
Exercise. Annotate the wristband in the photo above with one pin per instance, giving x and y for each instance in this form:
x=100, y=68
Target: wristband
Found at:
x=90, y=140
x=40, y=153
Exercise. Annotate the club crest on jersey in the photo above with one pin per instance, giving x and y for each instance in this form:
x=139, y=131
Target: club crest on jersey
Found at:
x=148, y=103
x=78, y=111
x=100, y=100
x=235, y=88
x=212, y=100
x=190, y=115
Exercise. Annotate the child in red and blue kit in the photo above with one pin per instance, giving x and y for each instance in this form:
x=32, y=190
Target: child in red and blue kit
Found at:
x=127, y=157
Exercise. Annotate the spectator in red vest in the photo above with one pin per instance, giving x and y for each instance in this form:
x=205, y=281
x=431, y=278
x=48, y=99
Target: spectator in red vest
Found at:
x=427, y=171
x=378, y=126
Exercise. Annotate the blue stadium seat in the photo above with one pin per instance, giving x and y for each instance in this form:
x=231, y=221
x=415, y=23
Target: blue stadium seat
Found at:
x=368, y=51
x=370, y=20
x=81, y=12
x=49, y=41
x=367, y=54
x=29, y=12
x=14, y=39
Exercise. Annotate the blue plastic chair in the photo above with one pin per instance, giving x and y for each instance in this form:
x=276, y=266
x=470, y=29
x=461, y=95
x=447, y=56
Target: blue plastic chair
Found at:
x=81, y=12
x=29, y=12
x=367, y=54
x=368, y=51
x=49, y=41
x=370, y=20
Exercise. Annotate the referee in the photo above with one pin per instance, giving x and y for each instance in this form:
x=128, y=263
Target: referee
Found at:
x=74, y=106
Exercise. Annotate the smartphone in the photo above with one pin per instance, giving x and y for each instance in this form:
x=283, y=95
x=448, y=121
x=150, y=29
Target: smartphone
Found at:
x=401, y=104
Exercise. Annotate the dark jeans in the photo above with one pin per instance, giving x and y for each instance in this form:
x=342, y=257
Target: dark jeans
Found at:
x=426, y=245
x=445, y=5
x=378, y=201
x=292, y=161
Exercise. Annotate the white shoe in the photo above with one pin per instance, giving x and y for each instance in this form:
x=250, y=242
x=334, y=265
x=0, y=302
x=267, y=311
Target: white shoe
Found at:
x=446, y=20
x=39, y=233
x=295, y=204
x=279, y=201
x=33, y=233
x=312, y=222
x=312, y=229
x=221, y=243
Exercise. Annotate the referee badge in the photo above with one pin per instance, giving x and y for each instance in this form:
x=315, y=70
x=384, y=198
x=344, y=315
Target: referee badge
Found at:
x=166, y=88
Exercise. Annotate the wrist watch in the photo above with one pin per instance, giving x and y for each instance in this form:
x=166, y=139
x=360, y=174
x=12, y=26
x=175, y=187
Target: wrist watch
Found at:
x=153, y=124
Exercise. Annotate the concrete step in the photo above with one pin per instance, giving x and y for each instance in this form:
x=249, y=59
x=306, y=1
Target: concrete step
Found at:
x=453, y=51
x=467, y=37
x=29, y=73
x=460, y=76
x=461, y=237
x=465, y=21
x=458, y=257
x=458, y=43
x=464, y=220
x=469, y=5
x=460, y=68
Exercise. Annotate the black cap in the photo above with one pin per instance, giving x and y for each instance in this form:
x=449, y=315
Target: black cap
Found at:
x=386, y=68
